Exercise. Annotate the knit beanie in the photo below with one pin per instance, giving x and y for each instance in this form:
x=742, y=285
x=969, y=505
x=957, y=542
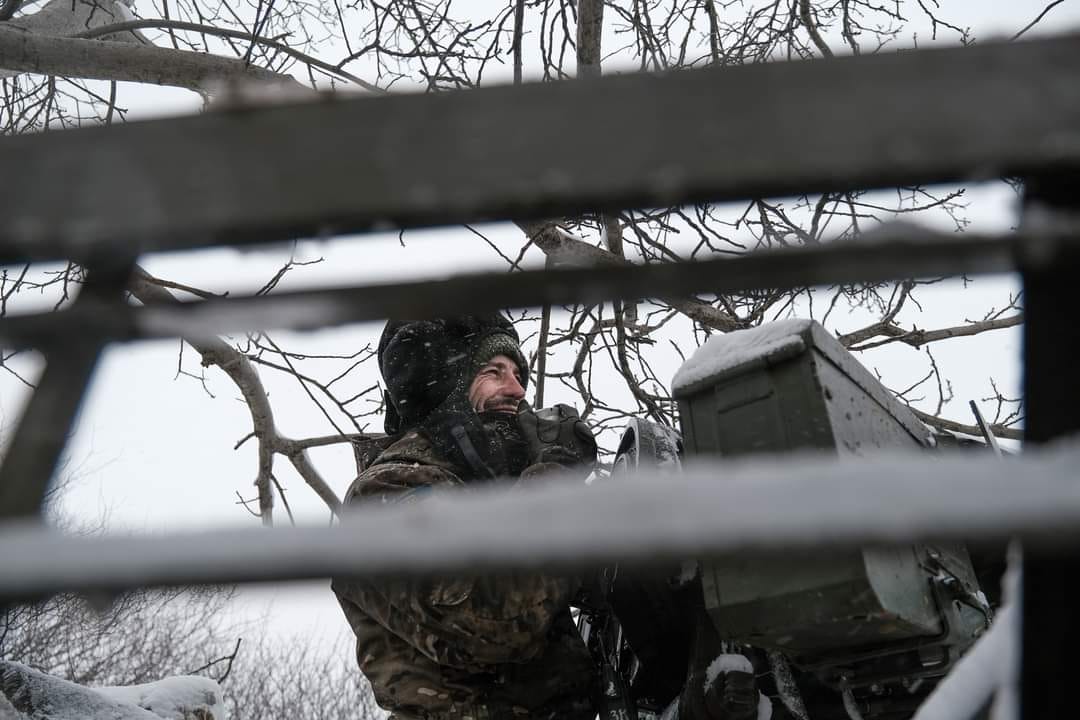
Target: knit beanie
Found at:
x=428, y=366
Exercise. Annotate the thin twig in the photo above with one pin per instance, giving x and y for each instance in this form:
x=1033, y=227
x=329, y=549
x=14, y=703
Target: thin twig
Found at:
x=519, y=29
x=1035, y=22
x=225, y=33
x=542, y=351
x=224, y=658
x=284, y=500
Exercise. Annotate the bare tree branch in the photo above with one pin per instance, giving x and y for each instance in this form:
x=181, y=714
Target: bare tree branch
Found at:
x=240, y=370
x=225, y=32
x=101, y=60
x=942, y=424
x=223, y=659
x=589, y=29
x=311, y=476
x=884, y=326
x=564, y=249
x=519, y=30
x=806, y=15
x=917, y=338
x=1035, y=22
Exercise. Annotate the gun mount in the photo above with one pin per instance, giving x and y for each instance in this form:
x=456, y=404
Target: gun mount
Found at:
x=859, y=633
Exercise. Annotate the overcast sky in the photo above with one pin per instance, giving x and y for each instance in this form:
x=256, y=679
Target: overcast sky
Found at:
x=155, y=453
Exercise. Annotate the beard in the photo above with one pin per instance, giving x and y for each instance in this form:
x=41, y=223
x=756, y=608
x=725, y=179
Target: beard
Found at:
x=507, y=443
x=496, y=403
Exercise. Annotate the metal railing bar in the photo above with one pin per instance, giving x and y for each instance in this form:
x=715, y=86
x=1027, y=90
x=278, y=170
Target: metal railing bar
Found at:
x=339, y=165
x=39, y=438
x=749, y=506
x=927, y=255
x=41, y=435
x=1051, y=391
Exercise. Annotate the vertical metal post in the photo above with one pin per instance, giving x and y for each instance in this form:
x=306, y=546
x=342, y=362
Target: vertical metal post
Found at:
x=1052, y=394
x=42, y=432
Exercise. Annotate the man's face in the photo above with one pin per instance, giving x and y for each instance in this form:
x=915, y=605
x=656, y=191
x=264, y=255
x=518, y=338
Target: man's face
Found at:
x=497, y=386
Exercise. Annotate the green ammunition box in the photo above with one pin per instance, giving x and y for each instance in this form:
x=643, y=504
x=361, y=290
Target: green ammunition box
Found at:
x=791, y=386
x=795, y=388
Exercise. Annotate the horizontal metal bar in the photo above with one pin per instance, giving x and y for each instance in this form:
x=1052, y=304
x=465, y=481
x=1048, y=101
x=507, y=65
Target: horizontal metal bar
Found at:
x=923, y=255
x=340, y=165
x=768, y=505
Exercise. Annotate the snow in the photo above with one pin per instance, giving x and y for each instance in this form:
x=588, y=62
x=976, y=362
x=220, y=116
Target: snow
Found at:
x=764, y=707
x=1007, y=700
x=990, y=666
x=788, y=690
x=667, y=448
x=174, y=698
x=7, y=711
x=800, y=500
x=688, y=571
x=734, y=662
x=725, y=663
x=977, y=676
x=722, y=353
x=45, y=696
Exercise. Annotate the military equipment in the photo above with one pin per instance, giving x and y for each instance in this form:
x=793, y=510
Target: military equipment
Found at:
x=864, y=631
x=984, y=428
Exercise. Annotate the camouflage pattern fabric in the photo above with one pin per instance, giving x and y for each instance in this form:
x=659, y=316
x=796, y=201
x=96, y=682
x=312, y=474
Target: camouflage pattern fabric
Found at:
x=479, y=647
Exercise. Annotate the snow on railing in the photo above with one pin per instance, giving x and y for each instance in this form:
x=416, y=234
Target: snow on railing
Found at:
x=721, y=507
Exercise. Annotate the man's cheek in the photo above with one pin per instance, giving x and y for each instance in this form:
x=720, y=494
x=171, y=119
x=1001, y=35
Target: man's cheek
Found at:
x=478, y=394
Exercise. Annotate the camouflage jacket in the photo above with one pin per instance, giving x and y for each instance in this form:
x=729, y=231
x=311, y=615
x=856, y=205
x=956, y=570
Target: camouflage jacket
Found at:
x=460, y=648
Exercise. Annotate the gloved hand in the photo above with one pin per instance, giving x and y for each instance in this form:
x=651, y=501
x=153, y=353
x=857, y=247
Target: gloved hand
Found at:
x=557, y=435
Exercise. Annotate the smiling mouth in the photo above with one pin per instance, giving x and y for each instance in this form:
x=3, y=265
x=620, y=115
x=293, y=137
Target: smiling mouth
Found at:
x=507, y=405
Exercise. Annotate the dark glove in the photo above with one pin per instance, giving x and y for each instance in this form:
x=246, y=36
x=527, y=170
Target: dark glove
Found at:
x=732, y=696
x=557, y=435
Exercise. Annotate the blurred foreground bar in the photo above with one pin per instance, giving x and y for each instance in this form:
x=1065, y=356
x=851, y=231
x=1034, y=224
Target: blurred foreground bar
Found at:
x=1051, y=392
x=760, y=506
x=339, y=165
x=892, y=253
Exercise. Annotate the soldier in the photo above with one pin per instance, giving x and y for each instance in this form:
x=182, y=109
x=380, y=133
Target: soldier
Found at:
x=460, y=648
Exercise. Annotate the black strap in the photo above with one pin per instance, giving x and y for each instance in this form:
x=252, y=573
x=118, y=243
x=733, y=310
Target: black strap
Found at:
x=468, y=450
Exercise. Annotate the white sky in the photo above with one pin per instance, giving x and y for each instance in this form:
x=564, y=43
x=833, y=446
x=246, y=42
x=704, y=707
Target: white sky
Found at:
x=154, y=453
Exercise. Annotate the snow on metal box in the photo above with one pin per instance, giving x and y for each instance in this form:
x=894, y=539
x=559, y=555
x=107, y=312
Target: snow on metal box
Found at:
x=791, y=386
x=787, y=386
